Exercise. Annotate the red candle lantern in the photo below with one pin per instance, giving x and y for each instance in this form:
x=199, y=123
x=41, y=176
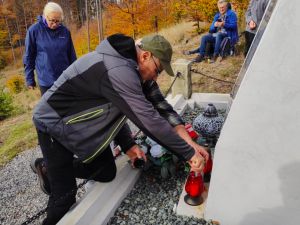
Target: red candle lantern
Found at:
x=194, y=187
x=208, y=165
x=192, y=133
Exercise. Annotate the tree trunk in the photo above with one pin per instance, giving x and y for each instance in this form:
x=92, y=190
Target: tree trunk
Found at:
x=31, y=17
x=25, y=15
x=133, y=25
x=87, y=23
x=10, y=40
x=98, y=21
x=101, y=20
x=19, y=32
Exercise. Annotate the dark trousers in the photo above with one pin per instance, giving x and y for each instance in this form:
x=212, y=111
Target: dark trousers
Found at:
x=63, y=168
x=248, y=41
x=44, y=89
x=215, y=39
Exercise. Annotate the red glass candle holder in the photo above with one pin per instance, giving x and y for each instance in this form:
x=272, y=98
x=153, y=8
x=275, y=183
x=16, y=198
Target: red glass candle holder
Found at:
x=192, y=133
x=208, y=166
x=194, y=187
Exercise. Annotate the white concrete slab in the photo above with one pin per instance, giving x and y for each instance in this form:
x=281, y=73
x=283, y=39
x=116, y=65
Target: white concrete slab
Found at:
x=178, y=102
x=221, y=101
x=100, y=203
x=255, y=179
x=195, y=211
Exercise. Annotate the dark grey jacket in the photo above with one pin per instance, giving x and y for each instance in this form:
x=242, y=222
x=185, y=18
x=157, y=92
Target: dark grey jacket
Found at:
x=87, y=106
x=255, y=12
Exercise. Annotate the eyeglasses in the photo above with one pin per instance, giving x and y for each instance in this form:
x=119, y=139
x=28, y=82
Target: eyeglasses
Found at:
x=158, y=71
x=53, y=21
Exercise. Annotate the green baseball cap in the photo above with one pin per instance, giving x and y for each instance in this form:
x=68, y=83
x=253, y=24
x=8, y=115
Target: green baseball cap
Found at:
x=160, y=48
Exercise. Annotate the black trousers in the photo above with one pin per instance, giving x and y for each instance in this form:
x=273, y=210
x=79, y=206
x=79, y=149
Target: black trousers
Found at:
x=248, y=41
x=43, y=89
x=63, y=168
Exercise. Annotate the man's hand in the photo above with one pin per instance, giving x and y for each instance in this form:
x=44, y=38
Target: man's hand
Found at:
x=252, y=25
x=201, y=150
x=135, y=153
x=219, y=24
x=181, y=131
x=197, y=162
x=31, y=87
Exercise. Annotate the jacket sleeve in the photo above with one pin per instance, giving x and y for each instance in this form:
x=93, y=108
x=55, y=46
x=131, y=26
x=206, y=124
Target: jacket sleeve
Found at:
x=248, y=14
x=212, y=28
x=231, y=21
x=154, y=95
x=122, y=87
x=124, y=138
x=72, y=53
x=29, y=57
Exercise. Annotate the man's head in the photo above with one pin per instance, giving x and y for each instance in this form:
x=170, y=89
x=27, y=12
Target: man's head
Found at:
x=222, y=6
x=154, y=54
x=53, y=14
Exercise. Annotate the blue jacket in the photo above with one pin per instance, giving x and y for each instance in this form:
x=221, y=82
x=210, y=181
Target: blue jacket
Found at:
x=47, y=51
x=230, y=26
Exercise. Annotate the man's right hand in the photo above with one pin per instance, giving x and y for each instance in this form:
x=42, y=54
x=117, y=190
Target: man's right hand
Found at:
x=197, y=162
x=31, y=87
x=252, y=25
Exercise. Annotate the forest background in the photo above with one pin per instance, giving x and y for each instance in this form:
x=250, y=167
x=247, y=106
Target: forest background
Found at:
x=180, y=21
x=96, y=19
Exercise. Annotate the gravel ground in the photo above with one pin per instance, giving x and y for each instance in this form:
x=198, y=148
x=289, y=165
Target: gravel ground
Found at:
x=150, y=202
x=20, y=193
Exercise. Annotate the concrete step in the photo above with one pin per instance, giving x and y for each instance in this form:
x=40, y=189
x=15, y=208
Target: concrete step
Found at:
x=98, y=205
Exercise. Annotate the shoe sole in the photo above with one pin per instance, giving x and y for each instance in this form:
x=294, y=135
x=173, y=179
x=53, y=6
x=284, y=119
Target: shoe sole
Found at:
x=33, y=165
x=41, y=182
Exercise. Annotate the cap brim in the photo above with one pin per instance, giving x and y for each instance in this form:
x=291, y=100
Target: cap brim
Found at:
x=167, y=67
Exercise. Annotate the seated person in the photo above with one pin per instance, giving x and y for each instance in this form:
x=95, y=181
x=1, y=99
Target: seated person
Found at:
x=223, y=25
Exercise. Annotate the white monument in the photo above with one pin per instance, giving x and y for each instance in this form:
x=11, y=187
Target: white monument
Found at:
x=255, y=179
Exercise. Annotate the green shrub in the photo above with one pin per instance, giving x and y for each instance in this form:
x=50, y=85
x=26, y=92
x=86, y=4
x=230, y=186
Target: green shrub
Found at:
x=6, y=105
x=15, y=83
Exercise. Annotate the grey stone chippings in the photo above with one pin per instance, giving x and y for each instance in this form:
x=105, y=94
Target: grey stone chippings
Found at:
x=20, y=193
x=157, y=198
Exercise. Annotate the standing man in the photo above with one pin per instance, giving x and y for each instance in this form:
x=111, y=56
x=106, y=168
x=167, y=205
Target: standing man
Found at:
x=87, y=107
x=254, y=15
x=48, y=48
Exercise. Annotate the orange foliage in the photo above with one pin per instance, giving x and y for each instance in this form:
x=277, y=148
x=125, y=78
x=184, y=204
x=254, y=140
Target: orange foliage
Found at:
x=135, y=18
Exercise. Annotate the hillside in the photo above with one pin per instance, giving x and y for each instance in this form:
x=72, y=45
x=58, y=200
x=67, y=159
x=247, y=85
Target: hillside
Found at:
x=18, y=134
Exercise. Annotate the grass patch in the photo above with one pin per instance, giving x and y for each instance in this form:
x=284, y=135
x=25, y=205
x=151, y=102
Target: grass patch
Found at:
x=17, y=134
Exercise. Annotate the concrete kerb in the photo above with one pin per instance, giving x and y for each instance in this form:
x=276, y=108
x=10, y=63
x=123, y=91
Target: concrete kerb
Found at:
x=98, y=205
x=90, y=208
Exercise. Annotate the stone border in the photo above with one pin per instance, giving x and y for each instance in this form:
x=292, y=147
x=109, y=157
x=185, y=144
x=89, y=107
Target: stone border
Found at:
x=98, y=205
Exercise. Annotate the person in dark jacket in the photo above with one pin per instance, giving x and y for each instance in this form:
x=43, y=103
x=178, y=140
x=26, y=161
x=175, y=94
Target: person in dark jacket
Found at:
x=254, y=15
x=87, y=108
x=48, y=48
x=223, y=25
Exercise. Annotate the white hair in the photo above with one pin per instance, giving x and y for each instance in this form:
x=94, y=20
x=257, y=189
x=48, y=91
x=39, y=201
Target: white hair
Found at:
x=53, y=7
x=220, y=2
